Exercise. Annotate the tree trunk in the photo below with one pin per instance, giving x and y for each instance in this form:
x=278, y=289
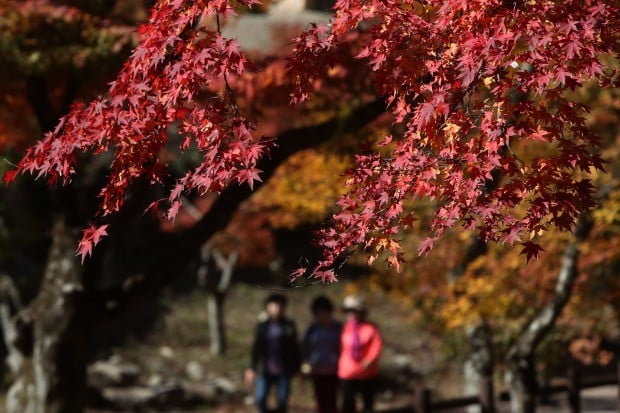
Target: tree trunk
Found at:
x=49, y=343
x=479, y=368
x=215, y=316
x=215, y=274
x=522, y=384
x=521, y=365
x=48, y=337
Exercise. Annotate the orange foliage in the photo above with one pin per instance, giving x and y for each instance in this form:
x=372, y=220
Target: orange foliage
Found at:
x=303, y=190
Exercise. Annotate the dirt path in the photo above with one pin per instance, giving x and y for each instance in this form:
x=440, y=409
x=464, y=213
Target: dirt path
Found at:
x=598, y=400
x=602, y=399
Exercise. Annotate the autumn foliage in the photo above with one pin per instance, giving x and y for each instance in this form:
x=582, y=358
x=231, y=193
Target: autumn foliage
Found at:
x=485, y=123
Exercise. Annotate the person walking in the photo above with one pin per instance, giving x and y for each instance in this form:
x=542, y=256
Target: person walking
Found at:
x=275, y=355
x=321, y=351
x=361, y=346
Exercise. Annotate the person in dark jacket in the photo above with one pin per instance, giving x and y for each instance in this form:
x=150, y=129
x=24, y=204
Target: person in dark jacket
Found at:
x=321, y=350
x=275, y=355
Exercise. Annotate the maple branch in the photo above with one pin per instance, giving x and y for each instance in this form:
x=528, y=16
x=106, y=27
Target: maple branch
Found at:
x=476, y=246
x=171, y=251
x=229, y=91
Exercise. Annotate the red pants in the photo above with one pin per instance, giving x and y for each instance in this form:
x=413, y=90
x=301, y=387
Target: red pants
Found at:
x=325, y=392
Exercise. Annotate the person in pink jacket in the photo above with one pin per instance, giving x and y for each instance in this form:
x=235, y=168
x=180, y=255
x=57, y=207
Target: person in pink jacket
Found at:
x=361, y=345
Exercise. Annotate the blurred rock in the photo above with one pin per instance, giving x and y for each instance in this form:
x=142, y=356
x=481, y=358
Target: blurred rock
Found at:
x=387, y=395
x=112, y=373
x=398, y=373
x=155, y=380
x=162, y=397
x=128, y=396
x=403, y=364
x=194, y=371
x=166, y=352
x=225, y=385
x=204, y=392
x=115, y=385
x=401, y=360
x=140, y=397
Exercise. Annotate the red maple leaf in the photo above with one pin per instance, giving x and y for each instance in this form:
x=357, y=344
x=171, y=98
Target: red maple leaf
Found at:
x=531, y=250
x=90, y=237
x=9, y=176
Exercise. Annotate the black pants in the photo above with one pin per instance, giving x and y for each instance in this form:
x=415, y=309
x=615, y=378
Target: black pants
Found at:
x=350, y=388
x=325, y=392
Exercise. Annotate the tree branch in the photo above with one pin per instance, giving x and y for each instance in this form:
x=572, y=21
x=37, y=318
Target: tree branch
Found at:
x=227, y=266
x=477, y=246
x=10, y=304
x=171, y=251
x=537, y=328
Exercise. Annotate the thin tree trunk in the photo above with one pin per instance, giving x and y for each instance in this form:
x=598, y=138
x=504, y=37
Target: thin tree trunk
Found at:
x=50, y=344
x=215, y=274
x=521, y=368
x=479, y=367
x=10, y=304
x=522, y=384
x=215, y=316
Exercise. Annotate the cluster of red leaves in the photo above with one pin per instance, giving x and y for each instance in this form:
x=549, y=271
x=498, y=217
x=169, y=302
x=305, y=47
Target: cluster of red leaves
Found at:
x=469, y=80
x=159, y=86
x=90, y=237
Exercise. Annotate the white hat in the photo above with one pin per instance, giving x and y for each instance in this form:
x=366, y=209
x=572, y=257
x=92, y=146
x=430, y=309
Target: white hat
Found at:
x=354, y=303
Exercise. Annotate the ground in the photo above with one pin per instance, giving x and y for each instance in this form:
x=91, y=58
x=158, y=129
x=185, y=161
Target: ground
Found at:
x=180, y=339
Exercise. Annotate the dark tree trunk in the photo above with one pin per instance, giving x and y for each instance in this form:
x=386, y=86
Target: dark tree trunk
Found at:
x=46, y=340
x=48, y=344
x=479, y=367
x=522, y=384
x=49, y=340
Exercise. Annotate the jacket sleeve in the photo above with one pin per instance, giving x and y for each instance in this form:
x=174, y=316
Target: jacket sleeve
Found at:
x=296, y=356
x=305, y=344
x=255, y=357
x=375, y=346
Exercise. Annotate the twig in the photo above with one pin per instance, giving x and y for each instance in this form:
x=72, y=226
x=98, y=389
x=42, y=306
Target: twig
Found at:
x=9, y=162
x=292, y=287
x=229, y=92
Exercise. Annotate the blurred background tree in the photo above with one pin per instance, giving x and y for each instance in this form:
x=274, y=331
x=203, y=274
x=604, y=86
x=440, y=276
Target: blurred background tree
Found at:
x=57, y=52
